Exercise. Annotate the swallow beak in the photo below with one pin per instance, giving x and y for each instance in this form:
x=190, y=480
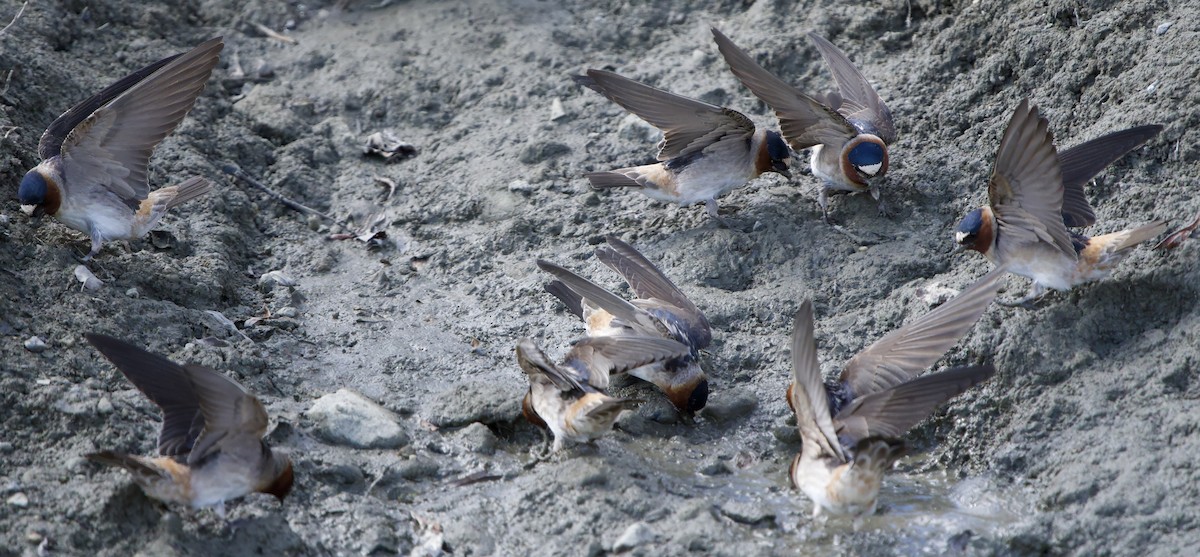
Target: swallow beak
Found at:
x=781, y=167
x=959, y=249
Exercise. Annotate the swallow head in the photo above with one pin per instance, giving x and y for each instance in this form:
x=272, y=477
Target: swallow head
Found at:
x=778, y=154
x=689, y=397
x=281, y=485
x=975, y=231
x=864, y=157
x=38, y=194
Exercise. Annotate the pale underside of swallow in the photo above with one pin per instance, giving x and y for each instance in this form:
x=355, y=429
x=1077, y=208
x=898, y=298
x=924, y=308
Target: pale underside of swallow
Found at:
x=1035, y=193
x=660, y=309
x=211, y=443
x=92, y=177
x=561, y=396
x=851, y=429
x=848, y=130
x=706, y=150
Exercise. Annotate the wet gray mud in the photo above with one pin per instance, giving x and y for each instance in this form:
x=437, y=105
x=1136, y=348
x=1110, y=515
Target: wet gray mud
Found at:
x=1084, y=442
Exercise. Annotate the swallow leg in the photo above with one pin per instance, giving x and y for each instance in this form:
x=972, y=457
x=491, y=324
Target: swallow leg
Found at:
x=711, y=208
x=884, y=211
x=823, y=201
x=97, y=241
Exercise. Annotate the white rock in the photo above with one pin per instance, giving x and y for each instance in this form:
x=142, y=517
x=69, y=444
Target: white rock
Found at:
x=18, y=499
x=636, y=534
x=557, y=111
x=85, y=276
x=348, y=418
x=36, y=345
x=271, y=278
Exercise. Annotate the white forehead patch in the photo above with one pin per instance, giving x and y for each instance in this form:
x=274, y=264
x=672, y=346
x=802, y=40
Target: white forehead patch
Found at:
x=958, y=236
x=28, y=209
x=871, y=169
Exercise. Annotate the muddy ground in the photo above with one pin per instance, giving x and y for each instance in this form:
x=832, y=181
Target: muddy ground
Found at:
x=1084, y=443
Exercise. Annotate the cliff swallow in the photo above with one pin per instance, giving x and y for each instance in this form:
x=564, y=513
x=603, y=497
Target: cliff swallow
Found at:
x=93, y=174
x=1033, y=196
x=848, y=130
x=211, y=443
x=562, y=397
x=850, y=429
x=706, y=150
x=660, y=310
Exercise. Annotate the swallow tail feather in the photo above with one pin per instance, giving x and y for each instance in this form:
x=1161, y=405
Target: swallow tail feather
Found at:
x=174, y=196
x=877, y=454
x=632, y=177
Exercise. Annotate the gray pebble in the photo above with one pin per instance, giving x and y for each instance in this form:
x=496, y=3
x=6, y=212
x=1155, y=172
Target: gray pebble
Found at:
x=487, y=402
x=730, y=405
x=348, y=418
x=36, y=345
x=638, y=533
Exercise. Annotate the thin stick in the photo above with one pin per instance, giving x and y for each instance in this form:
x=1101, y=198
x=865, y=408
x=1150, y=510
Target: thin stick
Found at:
x=294, y=205
x=273, y=34
x=15, y=17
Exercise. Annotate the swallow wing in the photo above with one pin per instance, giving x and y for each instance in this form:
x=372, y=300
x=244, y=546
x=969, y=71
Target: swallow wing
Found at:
x=803, y=120
x=52, y=139
x=166, y=384
x=231, y=413
x=621, y=308
x=649, y=283
x=1081, y=162
x=535, y=363
x=859, y=101
x=604, y=356
x=1026, y=188
x=807, y=394
x=688, y=125
x=568, y=297
x=113, y=144
x=892, y=412
x=909, y=350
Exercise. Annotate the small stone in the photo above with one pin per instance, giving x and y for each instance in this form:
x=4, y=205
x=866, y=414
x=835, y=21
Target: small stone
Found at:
x=104, y=406
x=478, y=438
x=557, y=112
x=539, y=151
x=1163, y=28
x=36, y=345
x=520, y=186
x=487, y=402
x=34, y=537
x=412, y=469
x=272, y=278
x=730, y=405
x=747, y=512
x=786, y=434
x=133, y=293
x=348, y=418
x=85, y=276
x=718, y=468
x=636, y=534
x=18, y=499
x=6, y=447
x=935, y=294
x=287, y=311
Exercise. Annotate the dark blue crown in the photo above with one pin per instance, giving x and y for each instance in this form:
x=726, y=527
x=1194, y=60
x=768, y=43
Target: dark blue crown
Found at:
x=971, y=223
x=32, y=190
x=866, y=154
x=776, y=147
